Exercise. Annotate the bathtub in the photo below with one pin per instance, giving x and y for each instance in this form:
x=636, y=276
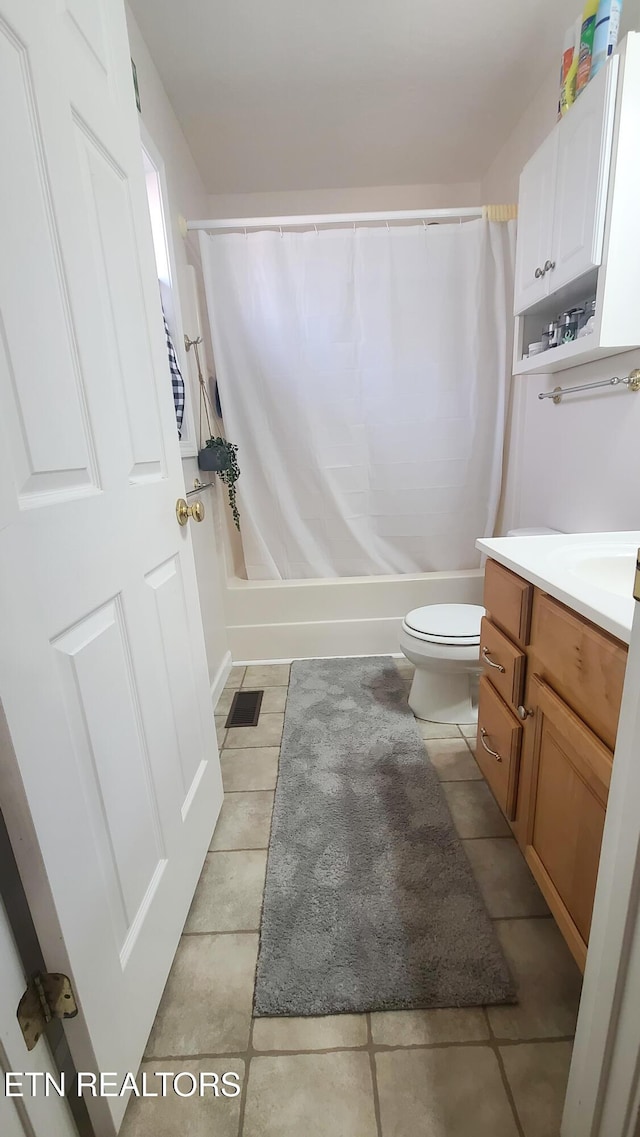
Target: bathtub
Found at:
x=270, y=620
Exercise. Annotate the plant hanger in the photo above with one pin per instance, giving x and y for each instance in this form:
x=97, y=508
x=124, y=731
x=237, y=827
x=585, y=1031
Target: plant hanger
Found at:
x=218, y=455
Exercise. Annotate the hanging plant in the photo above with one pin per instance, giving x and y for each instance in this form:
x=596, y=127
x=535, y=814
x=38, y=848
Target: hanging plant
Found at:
x=219, y=456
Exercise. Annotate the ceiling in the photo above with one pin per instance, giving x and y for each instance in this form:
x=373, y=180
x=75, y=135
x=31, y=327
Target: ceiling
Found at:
x=295, y=94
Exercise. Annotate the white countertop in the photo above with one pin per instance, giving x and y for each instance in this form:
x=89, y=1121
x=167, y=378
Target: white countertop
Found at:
x=590, y=572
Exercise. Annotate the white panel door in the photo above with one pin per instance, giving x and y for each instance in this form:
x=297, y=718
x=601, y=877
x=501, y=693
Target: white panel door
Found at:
x=535, y=225
x=585, y=138
x=103, y=674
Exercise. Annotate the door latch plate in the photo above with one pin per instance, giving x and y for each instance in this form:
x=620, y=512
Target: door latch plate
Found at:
x=48, y=996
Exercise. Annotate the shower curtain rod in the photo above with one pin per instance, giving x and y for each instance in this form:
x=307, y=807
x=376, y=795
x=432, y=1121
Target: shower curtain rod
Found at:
x=336, y=219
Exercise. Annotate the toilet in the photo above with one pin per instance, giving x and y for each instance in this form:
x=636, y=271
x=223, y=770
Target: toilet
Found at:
x=443, y=643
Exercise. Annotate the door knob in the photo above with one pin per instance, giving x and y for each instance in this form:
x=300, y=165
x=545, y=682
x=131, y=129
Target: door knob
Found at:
x=184, y=511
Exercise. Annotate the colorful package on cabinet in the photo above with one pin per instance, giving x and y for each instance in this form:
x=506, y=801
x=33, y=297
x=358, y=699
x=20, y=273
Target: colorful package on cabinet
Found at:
x=586, y=44
x=606, y=34
x=568, y=51
x=568, y=85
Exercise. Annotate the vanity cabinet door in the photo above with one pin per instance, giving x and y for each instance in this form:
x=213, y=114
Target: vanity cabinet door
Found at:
x=570, y=775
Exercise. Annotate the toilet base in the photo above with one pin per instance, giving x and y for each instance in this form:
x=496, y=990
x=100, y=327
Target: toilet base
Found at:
x=444, y=697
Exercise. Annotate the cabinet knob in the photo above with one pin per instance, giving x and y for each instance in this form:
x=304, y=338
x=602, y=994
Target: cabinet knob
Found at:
x=539, y=273
x=524, y=713
x=548, y=266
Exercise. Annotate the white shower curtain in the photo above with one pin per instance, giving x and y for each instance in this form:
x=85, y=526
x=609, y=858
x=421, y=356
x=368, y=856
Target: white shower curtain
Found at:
x=363, y=374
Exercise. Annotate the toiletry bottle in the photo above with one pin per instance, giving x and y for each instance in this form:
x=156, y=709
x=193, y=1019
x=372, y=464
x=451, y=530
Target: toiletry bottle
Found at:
x=586, y=44
x=606, y=34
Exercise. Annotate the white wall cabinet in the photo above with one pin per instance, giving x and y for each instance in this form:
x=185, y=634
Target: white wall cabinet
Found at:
x=581, y=239
x=535, y=224
x=563, y=196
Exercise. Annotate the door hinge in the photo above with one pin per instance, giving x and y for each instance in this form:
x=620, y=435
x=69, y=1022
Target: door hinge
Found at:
x=48, y=996
x=636, y=585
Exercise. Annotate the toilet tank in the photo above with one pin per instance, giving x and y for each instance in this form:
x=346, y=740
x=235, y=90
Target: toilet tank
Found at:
x=531, y=532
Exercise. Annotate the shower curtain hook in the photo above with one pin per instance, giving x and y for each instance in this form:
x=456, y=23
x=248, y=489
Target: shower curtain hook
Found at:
x=280, y=227
x=424, y=224
x=316, y=229
x=387, y=226
x=245, y=232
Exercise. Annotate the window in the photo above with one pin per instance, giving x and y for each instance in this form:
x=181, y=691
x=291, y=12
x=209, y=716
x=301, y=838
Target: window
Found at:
x=165, y=262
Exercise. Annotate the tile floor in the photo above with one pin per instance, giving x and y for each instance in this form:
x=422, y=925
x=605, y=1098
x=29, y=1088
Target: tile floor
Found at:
x=494, y=1072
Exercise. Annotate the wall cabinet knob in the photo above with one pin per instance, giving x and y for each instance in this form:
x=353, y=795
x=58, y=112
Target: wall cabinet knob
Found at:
x=548, y=266
x=539, y=273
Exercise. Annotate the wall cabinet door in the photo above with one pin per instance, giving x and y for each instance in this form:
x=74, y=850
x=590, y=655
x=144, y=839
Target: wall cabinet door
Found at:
x=583, y=161
x=535, y=225
x=570, y=772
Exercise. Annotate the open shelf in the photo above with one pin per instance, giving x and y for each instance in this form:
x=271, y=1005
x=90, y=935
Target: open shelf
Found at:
x=568, y=355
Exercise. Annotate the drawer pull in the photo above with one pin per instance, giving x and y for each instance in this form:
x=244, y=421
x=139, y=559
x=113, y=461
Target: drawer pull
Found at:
x=493, y=753
x=487, y=658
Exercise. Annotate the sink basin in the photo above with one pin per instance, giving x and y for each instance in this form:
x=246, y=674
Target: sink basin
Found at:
x=611, y=569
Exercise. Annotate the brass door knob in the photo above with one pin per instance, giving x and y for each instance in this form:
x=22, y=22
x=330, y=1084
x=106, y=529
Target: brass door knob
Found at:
x=184, y=511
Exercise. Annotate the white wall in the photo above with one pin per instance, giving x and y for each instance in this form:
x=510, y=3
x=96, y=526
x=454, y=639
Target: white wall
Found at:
x=187, y=198
x=285, y=203
x=573, y=466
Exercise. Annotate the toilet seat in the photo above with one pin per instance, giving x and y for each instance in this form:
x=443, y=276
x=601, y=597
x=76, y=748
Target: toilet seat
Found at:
x=454, y=624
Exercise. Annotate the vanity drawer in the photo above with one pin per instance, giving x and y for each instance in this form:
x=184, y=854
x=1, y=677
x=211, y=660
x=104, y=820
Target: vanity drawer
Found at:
x=504, y=664
x=498, y=748
x=584, y=664
x=507, y=599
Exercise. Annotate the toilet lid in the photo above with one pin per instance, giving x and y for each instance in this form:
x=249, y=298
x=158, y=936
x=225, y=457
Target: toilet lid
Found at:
x=446, y=623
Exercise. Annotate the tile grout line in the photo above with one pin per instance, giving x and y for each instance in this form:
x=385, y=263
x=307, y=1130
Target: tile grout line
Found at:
x=366, y=1047
x=244, y=849
x=535, y=916
x=374, y=1076
x=503, y=1073
x=253, y=790
x=224, y=932
x=248, y=1055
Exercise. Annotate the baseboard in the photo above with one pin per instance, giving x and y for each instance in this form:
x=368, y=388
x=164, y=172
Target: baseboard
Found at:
x=221, y=676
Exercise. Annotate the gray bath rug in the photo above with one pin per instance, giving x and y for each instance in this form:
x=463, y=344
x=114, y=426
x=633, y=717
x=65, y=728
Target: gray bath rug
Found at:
x=370, y=902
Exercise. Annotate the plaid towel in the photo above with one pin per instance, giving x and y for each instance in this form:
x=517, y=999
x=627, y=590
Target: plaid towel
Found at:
x=176, y=378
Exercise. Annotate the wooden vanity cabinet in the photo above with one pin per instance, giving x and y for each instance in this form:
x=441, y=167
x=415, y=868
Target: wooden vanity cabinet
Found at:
x=548, y=710
x=569, y=774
